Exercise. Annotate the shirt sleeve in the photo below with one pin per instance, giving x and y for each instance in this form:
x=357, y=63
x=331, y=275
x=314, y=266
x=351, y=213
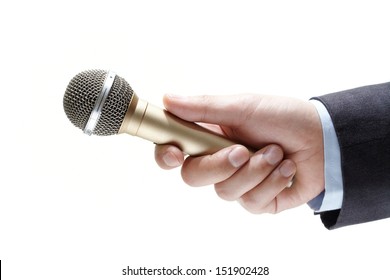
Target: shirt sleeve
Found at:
x=332, y=197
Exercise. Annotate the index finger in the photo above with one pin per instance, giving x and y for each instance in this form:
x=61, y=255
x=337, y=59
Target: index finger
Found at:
x=221, y=110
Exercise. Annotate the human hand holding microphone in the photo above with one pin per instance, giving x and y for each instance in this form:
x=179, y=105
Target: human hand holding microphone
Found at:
x=285, y=133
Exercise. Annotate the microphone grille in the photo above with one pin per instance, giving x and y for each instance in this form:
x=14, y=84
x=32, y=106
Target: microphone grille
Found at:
x=81, y=95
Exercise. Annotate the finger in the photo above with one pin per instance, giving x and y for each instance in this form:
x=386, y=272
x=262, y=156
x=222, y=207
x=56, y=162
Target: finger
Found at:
x=211, y=169
x=209, y=109
x=251, y=174
x=301, y=191
x=264, y=197
x=168, y=157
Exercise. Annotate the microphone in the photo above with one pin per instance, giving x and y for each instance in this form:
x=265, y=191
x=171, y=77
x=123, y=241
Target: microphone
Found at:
x=102, y=103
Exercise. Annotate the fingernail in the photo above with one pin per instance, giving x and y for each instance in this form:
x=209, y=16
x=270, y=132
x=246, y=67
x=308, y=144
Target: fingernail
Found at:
x=170, y=160
x=273, y=155
x=238, y=156
x=287, y=169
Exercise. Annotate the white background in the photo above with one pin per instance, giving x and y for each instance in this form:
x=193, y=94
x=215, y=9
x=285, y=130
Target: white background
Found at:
x=79, y=207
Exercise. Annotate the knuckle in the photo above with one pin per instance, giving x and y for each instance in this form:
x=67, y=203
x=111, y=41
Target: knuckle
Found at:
x=224, y=193
x=255, y=206
x=188, y=177
x=204, y=100
x=251, y=204
x=187, y=174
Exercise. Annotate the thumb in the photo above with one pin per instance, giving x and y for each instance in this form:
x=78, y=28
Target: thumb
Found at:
x=221, y=110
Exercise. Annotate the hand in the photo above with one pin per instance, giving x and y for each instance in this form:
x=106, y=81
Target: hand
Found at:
x=257, y=181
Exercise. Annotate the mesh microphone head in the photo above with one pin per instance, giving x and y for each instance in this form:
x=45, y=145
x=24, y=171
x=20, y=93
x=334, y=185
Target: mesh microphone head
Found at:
x=81, y=95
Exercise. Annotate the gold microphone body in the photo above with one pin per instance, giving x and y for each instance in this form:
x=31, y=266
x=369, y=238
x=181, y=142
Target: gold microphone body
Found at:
x=152, y=123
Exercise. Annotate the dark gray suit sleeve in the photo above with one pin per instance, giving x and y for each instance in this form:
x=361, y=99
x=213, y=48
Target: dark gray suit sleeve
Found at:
x=361, y=118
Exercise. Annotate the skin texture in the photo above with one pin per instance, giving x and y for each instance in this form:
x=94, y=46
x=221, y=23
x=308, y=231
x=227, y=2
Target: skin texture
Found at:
x=286, y=134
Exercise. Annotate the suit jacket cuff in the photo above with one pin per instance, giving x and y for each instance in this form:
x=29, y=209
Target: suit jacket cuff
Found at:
x=361, y=118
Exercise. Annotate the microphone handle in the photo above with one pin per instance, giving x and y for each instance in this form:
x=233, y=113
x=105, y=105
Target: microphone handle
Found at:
x=161, y=127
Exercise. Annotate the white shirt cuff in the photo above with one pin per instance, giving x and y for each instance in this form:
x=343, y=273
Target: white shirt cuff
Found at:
x=332, y=197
